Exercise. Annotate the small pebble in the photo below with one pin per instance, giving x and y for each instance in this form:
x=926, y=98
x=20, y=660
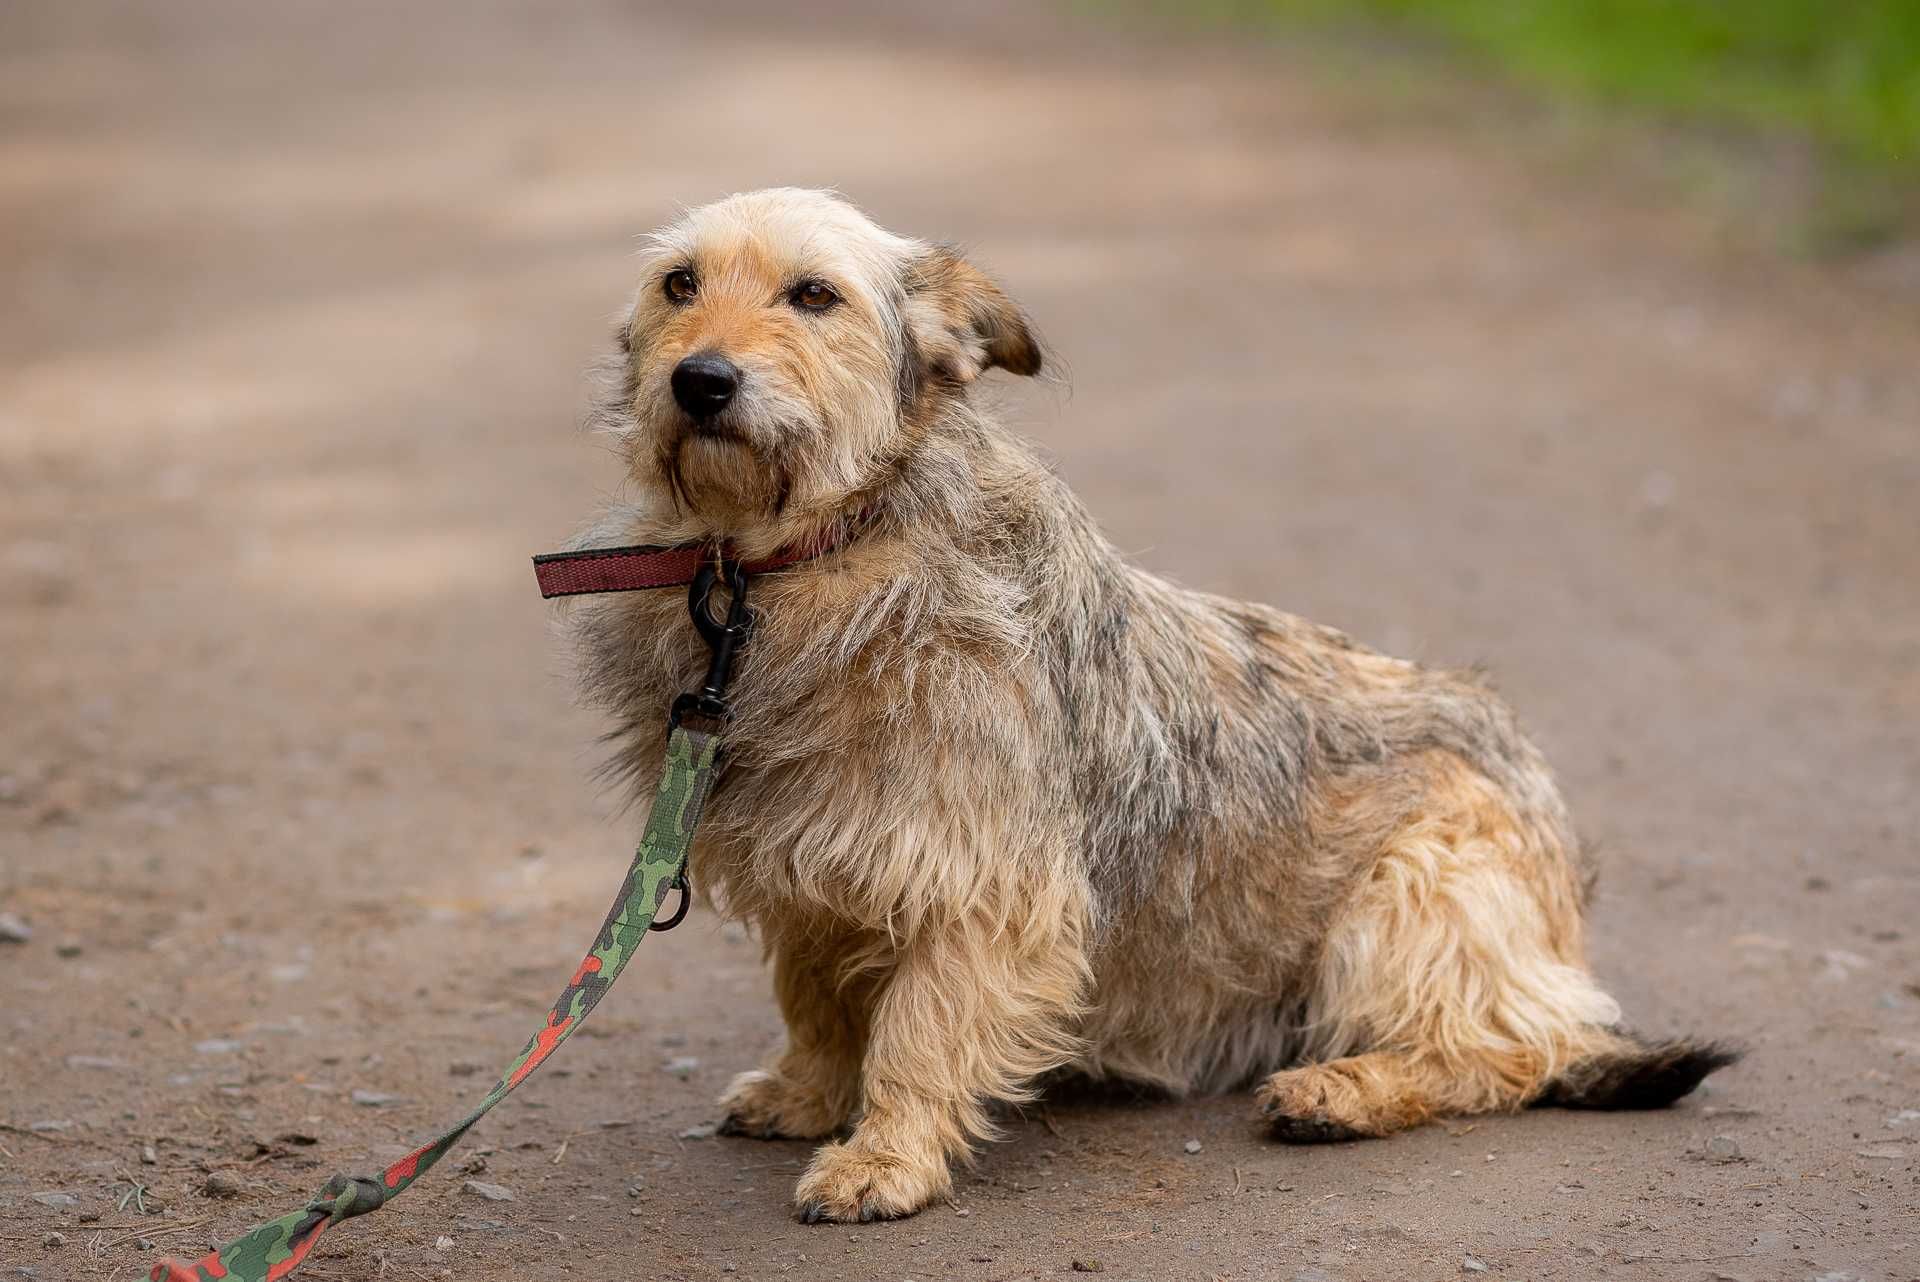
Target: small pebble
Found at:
x=69, y=948
x=443, y=1243
x=56, y=1199
x=491, y=1192
x=1192, y=1146
x=50, y=1125
x=222, y=1184
x=1723, y=1148
x=682, y=1066
x=704, y=1131
x=148, y=1155
x=95, y=1061
x=52, y=1240
x=1468, y=1264
x=373, y=1099
x=216, y=1046
x=1089, y=1266
x=13, y=930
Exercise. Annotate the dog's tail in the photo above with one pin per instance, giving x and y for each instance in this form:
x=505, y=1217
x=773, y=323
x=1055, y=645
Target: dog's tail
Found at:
x=1626, y=1071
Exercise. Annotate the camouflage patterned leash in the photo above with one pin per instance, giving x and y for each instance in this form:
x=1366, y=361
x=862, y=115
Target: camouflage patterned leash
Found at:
x=276, y=1248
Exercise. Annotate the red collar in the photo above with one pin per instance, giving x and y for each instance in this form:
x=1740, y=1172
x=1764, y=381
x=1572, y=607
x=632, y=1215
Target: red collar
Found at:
x=631, y=569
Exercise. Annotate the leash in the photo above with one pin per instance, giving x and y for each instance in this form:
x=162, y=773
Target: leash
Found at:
x=693, y=760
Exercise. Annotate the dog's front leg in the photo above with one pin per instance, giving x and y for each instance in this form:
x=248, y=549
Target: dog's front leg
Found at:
x=812, y=1086
x=973, y=1011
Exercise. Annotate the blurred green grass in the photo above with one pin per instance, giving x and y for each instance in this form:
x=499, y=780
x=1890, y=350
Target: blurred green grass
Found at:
x=1842, y=74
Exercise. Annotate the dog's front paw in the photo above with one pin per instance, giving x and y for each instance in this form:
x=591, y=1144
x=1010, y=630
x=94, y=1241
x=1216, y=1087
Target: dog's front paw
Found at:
x=846, y=1185
x=766, y=1106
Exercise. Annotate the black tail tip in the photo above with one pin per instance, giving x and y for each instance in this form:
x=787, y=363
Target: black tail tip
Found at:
x=1641, y=1074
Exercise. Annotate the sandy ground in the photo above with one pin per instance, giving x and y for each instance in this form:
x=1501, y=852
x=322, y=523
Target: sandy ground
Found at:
x=295, y=802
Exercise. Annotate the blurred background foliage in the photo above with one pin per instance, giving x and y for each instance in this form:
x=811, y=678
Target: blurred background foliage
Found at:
x=1842, y=75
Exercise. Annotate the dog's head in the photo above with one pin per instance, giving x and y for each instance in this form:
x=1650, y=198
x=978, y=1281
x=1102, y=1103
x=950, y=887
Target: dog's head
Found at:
x=784, y=351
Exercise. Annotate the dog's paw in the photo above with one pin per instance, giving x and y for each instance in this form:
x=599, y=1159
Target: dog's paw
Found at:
x=764, y=1106
x=1305, y=1106
x=846, y=1185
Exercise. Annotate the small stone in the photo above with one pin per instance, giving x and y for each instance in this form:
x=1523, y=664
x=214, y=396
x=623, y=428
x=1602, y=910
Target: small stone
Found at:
x=443, y=1243
x=54, y=1239
x=95, y=1061
x=682, y=1066
x=149, y=1156
x=1089, y=1266
x=58, y=1200
x=49, y=1126
x=373, y=1099
x=1312, y=1274
x=1905, y=1117
x=728, y=1268
x=13, y=930
x=222, y=1184
x=1723, y=1148
x=69, y=948
x=491, y=1192
x=464, y=1067
x=704, y=1131
x=1469, y=1264
x=216, y=1046
x=1192, y=1146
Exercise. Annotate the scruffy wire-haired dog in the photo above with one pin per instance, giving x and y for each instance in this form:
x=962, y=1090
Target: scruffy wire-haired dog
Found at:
x=999, y=803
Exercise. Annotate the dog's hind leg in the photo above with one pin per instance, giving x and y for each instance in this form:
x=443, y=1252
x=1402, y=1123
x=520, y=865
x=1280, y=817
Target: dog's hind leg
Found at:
x=1454, y=982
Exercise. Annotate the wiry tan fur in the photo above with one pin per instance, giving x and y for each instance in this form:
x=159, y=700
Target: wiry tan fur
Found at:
x=1000, y=804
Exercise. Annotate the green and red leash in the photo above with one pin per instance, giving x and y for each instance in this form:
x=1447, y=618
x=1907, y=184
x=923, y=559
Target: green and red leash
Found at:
x=693, y=759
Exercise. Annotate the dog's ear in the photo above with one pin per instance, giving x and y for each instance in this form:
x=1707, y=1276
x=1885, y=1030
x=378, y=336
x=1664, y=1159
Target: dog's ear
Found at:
x=960, y=323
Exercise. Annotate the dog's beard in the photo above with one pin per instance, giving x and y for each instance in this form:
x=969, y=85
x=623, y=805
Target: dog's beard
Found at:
x=722, y=473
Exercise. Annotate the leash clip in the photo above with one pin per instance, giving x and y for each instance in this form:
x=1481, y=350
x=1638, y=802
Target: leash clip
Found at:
x=723, y=638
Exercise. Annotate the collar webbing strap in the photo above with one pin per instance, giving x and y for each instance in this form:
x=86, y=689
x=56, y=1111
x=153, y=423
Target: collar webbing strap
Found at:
x=276, y=1248
x=631, y=569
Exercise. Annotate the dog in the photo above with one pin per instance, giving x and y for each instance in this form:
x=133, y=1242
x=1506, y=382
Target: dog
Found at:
x=1002, y=806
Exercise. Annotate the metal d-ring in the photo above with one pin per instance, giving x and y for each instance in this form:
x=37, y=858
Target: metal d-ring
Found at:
x=678, y=883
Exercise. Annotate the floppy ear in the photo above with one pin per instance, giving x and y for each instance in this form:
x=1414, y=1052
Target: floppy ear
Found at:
x=962, y=323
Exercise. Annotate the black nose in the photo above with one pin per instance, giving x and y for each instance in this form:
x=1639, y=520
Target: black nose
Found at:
x=703, y=384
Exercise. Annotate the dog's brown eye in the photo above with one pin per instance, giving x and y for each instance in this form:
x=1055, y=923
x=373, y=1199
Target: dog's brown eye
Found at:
x=814, y=296
x=679, y=286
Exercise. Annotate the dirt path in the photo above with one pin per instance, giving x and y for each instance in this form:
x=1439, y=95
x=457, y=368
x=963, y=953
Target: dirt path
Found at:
x=293, y=800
